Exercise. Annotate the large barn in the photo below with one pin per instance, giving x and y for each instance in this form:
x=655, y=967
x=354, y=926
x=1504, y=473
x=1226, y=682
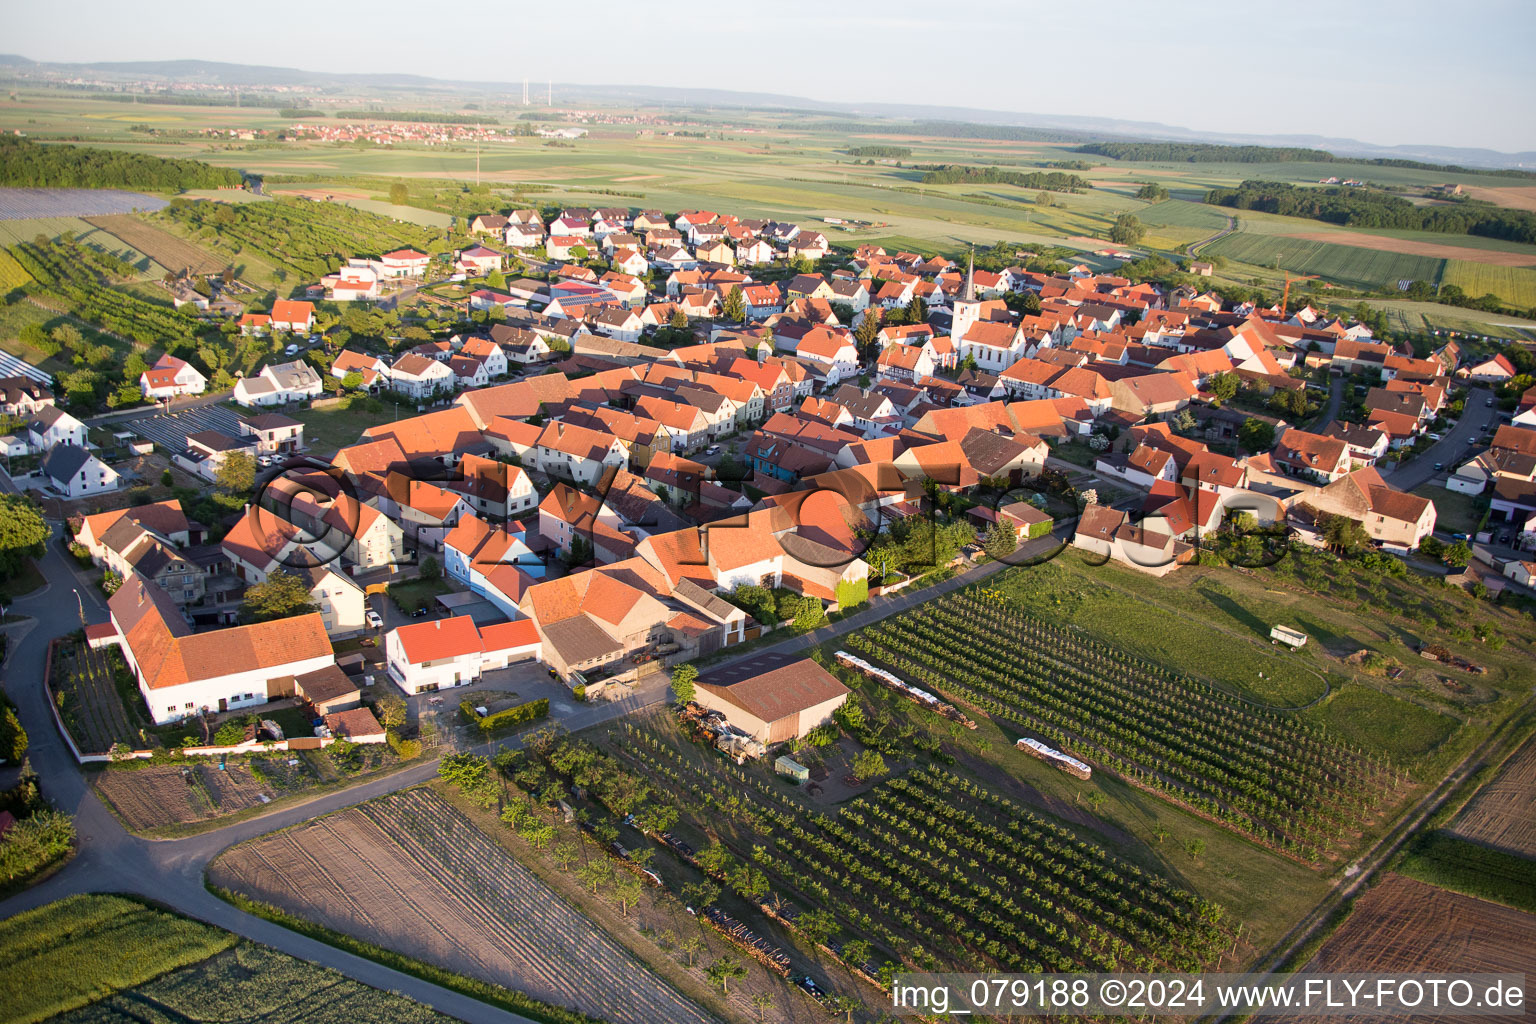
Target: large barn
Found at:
x=774, y=698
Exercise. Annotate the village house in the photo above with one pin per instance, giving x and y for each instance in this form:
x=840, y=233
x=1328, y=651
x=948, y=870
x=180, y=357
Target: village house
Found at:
x=419, y=377
x=170, y=377
x=50, y=426
x=577, y=453
x=74, y=472
x=181, y=673
x=279, y=384
x=775, y=699
x=292, y=315
x=424, y=657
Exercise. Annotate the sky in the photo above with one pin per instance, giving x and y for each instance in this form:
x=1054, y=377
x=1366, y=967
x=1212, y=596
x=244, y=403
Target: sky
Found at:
x=1405, y=72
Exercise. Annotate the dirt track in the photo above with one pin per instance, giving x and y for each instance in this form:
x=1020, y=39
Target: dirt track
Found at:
x=1410, y=247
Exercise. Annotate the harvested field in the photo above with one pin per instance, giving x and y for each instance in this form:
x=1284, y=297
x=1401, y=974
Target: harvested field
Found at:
x=1434, y=250
x=1404, y=925
x=158, y=795
x=410, y=873
x=161, y=246
x=1503, y=814
x=320, y=194
x=1521, y=197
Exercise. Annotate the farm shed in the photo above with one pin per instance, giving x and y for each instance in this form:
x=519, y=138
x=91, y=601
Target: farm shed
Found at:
x=329, y=689
x=773, y=698
x=793, y=769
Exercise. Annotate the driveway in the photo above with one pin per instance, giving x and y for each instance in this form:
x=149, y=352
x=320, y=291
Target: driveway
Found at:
x=1452, y=449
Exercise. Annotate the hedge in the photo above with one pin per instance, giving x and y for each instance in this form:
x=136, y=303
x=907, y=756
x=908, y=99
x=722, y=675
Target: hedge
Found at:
x=529, y=712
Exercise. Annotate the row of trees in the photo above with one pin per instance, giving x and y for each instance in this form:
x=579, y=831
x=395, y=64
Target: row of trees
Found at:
x=29, y=164
x=960, y=174
x=1369, y=208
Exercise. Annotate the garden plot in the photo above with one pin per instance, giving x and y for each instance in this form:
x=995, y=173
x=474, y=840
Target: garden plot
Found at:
x=410, y=873
x=159, y=795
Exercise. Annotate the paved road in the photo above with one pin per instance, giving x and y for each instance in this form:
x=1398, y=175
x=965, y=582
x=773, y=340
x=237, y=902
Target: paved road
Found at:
x=1194, y=250
x=1452, y=449
x=171, y=872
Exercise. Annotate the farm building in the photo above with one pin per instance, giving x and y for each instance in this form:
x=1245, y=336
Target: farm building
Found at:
x=788, y=700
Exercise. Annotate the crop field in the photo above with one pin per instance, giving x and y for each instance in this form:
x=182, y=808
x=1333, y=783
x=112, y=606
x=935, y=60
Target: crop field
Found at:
x=304, y=238
x=1503, y=814
x=1348, y=265
x=109, y=960
x=1516, y=285
x=1424, y=317
x=16, y=232
x=67, y=954
x=1259, y=773
x=26, y=203
x=164, y=248
x=1405, y=925
x=410, y=873
x=901, y=868
x=250, y=984
x=1421, y=245
x=155, y=796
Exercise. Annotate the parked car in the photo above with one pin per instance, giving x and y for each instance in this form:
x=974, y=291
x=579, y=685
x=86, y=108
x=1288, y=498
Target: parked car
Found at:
x=291, y=350
x=374, y=619
x=420, y=613
x=1439, y=466
x=1488, y=401
x=712, y=449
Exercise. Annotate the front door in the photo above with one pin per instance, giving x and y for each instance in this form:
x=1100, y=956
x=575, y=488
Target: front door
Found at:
x=223, y=704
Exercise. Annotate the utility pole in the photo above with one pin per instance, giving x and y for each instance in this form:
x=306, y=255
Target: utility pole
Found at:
x=549, y=98
x=525, y=90
x=477, y=154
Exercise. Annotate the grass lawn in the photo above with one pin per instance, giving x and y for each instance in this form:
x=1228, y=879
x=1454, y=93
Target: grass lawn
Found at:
x=417, y=593
x=334, y=427
x=1377, y=721
x=1093, y=599
x=1454, y=511
x=23, y=583
x=1075, y=452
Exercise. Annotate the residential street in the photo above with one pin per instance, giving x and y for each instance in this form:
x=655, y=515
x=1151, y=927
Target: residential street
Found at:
x=1451, y=450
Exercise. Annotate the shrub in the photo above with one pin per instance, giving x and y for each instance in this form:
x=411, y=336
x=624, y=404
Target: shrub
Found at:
x=507, y=717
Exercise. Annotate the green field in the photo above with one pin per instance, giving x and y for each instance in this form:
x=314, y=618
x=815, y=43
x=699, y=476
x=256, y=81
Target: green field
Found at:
x=1369, y=269
x=111, y=960
x=1424, y=317
x=1443, y=859
x=1379, y=722
x=70, y=953
x=14, y=231
x=1515, y=285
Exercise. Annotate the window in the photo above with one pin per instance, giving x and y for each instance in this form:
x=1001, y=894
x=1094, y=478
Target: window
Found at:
x=171, y=710
x=189, y=705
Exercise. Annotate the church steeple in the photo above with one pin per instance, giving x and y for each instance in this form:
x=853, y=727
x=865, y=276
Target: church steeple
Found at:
x=970, y=277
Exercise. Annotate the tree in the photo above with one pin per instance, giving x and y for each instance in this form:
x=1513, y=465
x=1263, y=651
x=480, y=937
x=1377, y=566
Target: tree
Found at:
x=398, y=193
x=762, y=1002
x=1044, y=199
x=1457, y=555
x=1194, y=847
x=282, y=596
x=595, y=874
x=628, y=892
x=868, y=331
x=392, y=712
x=868, y=764
x=23, y=532
x=1127, y=230
x=566, y=854
x=678, y=320
x=724, y=971
x=1153, y=192
x=431, y=568
x=917, y=310
x=691, y=948
x=683, y=678
x=237, y=473
x=1183, y=421
x=1256, y=435
x=735, y=308
x=817, y=925
x=1223, y=385
x=1344, y=534
x=352, y=381
x=1002, y=541
x=856, y=952
x=13, y=738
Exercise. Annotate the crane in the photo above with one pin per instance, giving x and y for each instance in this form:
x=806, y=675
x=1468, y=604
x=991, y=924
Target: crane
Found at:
x=1285, y=308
